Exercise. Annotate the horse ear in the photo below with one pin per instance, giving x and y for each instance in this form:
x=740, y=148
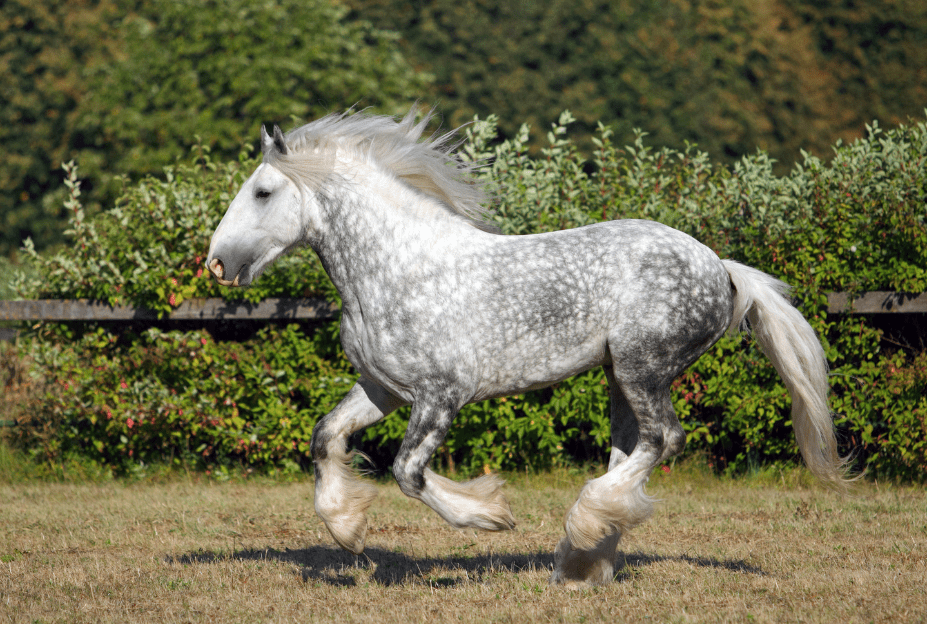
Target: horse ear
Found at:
x=279, y=143
x=275, y=142
x=266, y=142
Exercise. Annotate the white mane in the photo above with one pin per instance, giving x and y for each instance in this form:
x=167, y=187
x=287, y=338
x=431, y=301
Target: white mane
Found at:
x=428, y=166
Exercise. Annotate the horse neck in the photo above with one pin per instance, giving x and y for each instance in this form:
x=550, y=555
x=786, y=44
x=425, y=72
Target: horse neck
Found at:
x=375, y=226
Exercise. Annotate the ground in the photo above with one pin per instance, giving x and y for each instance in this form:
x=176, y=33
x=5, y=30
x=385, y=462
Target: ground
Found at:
x=771, y=548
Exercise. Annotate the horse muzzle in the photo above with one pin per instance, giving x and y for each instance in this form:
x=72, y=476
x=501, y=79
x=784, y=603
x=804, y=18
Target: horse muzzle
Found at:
x=241, y=277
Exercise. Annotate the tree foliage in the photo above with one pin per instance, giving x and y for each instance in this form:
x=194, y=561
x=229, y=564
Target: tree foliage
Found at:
x=126, y=87
x=45, y=50
x=732, y=76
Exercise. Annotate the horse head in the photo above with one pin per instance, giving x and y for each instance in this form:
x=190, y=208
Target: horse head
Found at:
x=262, y=223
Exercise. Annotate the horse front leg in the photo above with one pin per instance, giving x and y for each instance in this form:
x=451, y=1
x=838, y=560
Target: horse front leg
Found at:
x=341, y=498
x=477, y=504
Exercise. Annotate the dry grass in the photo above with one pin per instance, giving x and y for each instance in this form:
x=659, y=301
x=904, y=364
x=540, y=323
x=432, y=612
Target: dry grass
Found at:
x=773, y=549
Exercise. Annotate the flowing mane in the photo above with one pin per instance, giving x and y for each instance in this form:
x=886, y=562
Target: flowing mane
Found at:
x=428, y=166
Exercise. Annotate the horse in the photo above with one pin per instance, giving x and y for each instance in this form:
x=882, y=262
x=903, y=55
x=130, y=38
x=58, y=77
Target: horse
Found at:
x=439, y=309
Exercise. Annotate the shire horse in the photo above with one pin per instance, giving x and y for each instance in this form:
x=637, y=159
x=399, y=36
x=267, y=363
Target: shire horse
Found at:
x=441, y=310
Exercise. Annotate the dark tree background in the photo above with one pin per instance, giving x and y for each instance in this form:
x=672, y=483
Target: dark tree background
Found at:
x=128, y=86
x=733, y=76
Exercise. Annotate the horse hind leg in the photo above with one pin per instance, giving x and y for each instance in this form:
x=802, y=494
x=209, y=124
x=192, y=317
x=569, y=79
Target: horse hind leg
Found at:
x=615, y=503
x=575, y=566
x=341, y=498
x=477, y=504
x=622, y=421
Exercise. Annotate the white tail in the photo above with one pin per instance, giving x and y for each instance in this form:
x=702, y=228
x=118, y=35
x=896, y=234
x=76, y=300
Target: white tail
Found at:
x=793, y=348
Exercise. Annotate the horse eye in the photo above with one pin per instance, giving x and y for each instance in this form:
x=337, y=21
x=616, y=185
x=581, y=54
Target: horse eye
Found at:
x=262, y=194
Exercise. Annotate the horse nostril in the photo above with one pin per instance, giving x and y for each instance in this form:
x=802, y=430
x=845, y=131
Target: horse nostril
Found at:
x=216, y=268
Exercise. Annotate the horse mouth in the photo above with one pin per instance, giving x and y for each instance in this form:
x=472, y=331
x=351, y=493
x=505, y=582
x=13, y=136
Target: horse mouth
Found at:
x=217, y=270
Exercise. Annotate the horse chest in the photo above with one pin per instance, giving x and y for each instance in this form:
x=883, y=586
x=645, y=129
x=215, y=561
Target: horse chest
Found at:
x=389, y=349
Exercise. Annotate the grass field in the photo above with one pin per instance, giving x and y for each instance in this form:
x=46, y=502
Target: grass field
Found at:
x=771, y=548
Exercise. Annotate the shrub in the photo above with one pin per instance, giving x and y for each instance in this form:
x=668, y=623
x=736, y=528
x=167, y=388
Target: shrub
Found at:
x=183, y=397
x=855, y=223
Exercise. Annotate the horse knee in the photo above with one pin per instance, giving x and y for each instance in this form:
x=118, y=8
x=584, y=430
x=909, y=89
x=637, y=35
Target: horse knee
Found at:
x=321, y=438
x=410, y=479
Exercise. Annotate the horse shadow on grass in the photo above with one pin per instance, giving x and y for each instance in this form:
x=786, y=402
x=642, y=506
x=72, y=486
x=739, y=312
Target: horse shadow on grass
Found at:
x=333, y=566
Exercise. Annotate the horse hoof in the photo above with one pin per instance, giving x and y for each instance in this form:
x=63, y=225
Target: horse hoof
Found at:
x=349, y=532
x=576, y=569
x=497, y=514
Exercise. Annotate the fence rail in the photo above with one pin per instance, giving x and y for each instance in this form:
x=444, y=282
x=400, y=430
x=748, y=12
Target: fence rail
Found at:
x=189, y=310
x=876, y=302
x=307, y=309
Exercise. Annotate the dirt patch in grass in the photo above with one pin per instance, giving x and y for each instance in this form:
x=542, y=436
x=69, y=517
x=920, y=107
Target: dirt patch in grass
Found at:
x=768, y=549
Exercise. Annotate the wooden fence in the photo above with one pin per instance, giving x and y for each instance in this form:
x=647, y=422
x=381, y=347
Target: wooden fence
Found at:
x=308, y=309
x=203, y=310
x=189, y=310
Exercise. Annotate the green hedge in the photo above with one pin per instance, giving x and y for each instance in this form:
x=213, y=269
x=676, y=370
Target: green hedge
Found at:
x=854, y=223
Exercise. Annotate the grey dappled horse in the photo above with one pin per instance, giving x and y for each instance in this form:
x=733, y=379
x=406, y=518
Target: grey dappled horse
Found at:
x=439, y=311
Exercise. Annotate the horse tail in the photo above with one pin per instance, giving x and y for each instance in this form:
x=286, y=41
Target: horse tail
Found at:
x=793, y=348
